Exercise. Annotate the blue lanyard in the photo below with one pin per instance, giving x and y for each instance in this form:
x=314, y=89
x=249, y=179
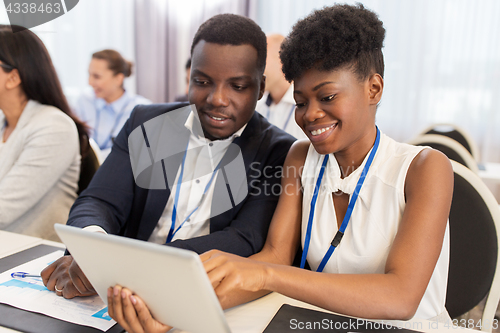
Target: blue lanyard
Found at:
x=173, y=231
x=340, y=233
x=117, y=121
x=2, y=130
x=289, y=116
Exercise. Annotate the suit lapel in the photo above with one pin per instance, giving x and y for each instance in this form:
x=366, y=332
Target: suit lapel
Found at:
x=249, y=143
x=157, y=199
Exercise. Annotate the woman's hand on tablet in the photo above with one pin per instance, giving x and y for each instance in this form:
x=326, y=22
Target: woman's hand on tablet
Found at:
x=131, y=312
x=229, y=273
x=65, y=277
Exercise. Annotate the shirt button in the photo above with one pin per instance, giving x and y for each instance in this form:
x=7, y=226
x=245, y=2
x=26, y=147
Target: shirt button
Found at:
x=188, y=220
x=211, y=144
x=197, y=181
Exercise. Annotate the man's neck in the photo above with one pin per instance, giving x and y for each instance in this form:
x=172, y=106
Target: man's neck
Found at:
x=278, y=91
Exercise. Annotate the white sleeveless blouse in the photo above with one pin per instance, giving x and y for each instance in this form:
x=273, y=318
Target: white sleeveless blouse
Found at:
x=374, y=221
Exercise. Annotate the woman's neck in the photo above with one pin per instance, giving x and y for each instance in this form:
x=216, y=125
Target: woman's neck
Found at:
x=352, y=158
x=12, y=109
x=115, y=96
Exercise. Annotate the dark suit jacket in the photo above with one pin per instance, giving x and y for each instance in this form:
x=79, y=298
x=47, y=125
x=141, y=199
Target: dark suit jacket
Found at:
x=114, y=202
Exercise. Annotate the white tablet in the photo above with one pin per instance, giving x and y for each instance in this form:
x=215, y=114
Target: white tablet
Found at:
x=171, y=281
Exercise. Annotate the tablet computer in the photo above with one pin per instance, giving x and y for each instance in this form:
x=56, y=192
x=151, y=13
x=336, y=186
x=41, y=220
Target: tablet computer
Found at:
x=171, y=281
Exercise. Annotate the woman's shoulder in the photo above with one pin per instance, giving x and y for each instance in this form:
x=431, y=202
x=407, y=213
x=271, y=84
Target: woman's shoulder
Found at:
x=415, y=155
x=138, y=99
x=394, y=157
x=396, y=148
x=47, y=118
x=298, y=153
x=50, y=114
x=429, y=159
x=421, y=166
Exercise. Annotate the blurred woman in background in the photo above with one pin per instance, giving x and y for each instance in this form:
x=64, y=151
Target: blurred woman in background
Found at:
x=107, y=108
x=40, y=140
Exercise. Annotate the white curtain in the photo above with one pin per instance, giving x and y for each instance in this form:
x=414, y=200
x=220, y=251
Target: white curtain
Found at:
x=91, y=26
x=442, y=56
x=164, y=31
x=442, y=62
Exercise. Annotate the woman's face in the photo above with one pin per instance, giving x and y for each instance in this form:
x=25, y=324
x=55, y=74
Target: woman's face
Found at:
x=102, y=79
x=9, y=79
x=3, y=76
x=335, y=110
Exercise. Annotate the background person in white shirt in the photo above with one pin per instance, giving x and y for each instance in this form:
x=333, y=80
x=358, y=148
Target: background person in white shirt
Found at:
x=277, y=104
x=108, y=107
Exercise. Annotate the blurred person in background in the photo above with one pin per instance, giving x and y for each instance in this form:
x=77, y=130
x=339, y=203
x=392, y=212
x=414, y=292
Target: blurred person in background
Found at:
x=277, y=104
x=184, y=98
x=108, y=107
x=41, y=142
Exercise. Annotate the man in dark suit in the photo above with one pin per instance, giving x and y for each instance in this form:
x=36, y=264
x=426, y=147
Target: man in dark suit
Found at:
x=228, y=61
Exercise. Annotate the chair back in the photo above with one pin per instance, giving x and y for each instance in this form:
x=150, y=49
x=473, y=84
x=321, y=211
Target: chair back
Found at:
x=474, y=232
x=451, y=148
x=90, y=164
x=456, y=133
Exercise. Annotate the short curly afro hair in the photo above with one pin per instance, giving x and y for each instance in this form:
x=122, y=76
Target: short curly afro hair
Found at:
x=335, y=37
x=231, y=29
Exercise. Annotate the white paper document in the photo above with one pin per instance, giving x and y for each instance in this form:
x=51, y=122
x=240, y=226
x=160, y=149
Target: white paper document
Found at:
x=30, y=294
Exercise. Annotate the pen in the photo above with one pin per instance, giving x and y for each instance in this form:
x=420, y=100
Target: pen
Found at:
x=24, y=275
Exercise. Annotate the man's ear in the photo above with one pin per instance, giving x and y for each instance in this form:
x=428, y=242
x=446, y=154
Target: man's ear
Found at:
x=375, y=88
x=13, y=80
x=262, y=86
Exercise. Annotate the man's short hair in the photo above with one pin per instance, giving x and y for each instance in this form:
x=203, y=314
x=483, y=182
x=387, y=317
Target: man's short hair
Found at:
x=335, y=37
x=231, y=29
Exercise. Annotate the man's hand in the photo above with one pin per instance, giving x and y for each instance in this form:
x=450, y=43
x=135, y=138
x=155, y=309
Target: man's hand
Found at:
x=65, y=277
x=131, y=312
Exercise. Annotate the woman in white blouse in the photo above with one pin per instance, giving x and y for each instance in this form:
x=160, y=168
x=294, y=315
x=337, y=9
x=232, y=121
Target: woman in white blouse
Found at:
x=40, y=140
x=108, y=106
x=369, y=213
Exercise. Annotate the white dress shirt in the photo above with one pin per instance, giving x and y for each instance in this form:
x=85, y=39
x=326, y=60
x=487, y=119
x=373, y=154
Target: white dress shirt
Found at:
x=281, y=114
x=106, y=120
x=201, y=160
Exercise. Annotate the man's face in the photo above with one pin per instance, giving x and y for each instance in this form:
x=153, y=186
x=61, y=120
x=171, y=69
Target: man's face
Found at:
x=225, y=86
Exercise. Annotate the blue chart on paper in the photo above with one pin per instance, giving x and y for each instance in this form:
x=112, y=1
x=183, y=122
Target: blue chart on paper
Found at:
x=23, y=284
x=103, y=314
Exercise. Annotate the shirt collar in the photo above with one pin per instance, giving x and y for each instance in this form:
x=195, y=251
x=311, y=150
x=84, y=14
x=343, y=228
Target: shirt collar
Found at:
x=117, y=106
x=335, y=183
x=195, y=128
x=287, y=97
